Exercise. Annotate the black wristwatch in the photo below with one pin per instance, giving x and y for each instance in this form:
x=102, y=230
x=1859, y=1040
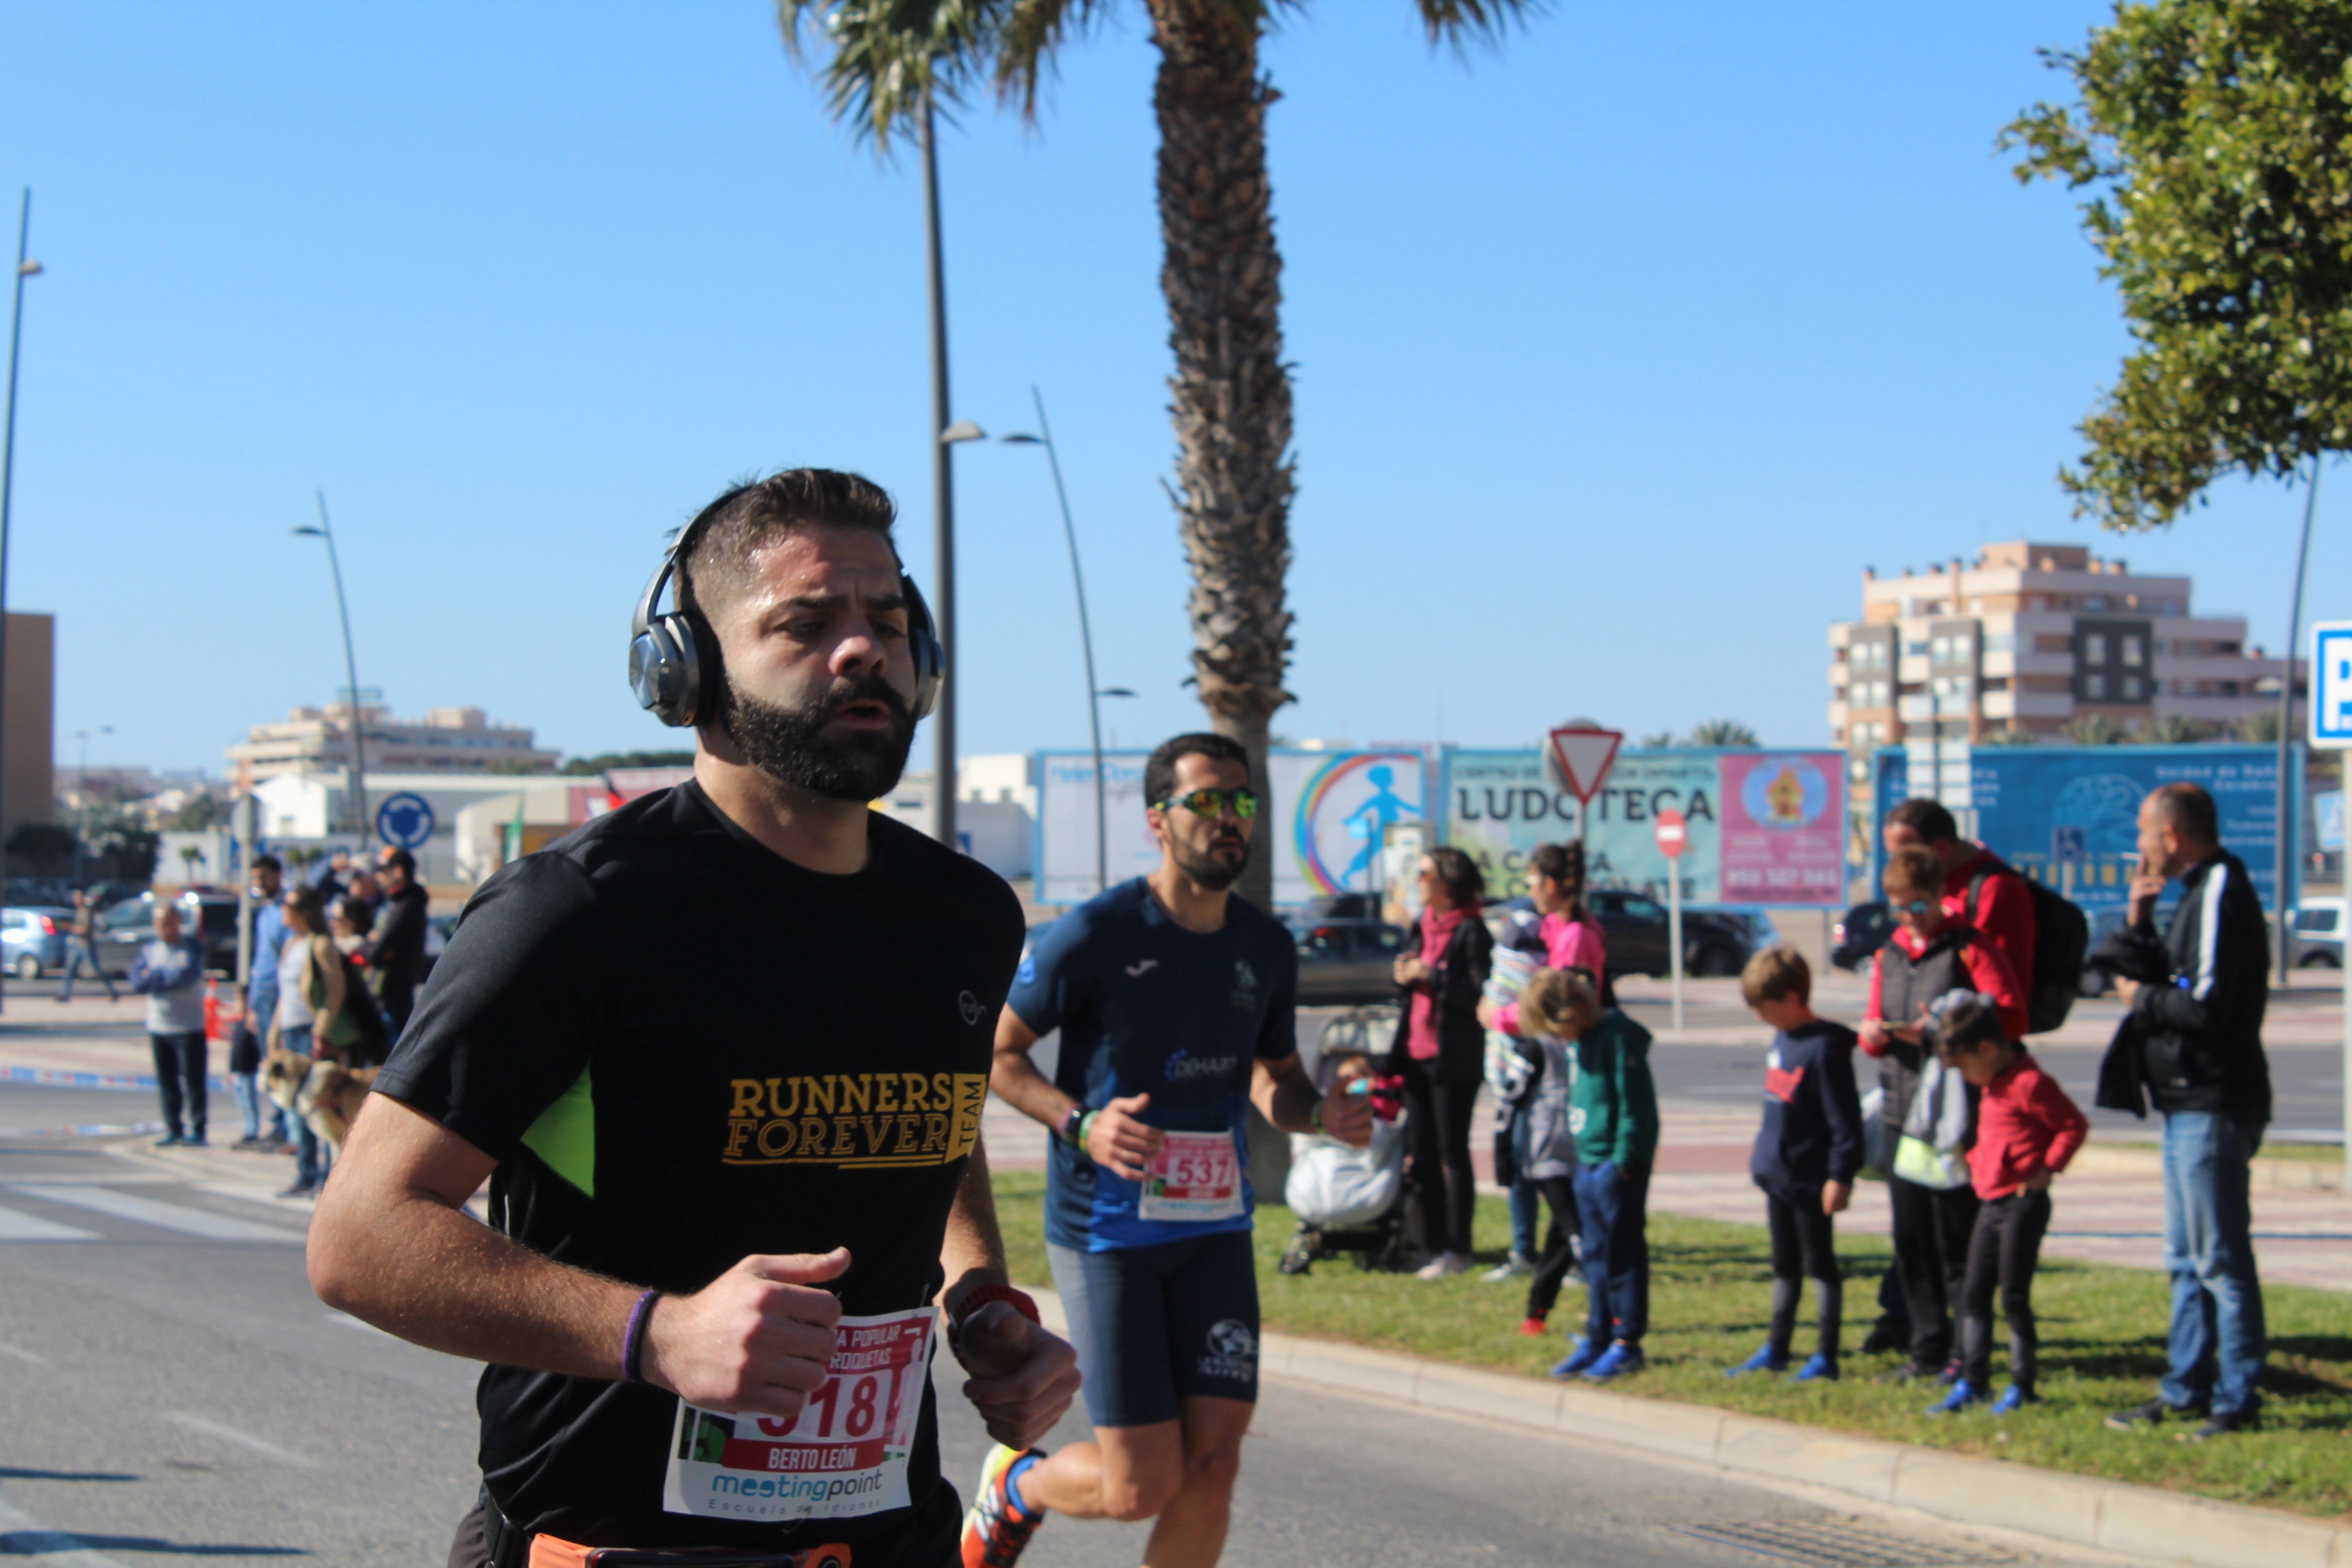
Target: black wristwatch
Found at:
x=1068, y=1130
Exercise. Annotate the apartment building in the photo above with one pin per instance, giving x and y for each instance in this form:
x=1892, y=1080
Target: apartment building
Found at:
x=446, y=741
x=2028, y=639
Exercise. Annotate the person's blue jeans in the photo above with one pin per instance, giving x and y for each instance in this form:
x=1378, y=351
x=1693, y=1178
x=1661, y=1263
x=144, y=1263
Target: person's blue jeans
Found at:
x=1527, y=1209
x=247, y=1087
x=2218, y=1341
x=78, y=952
x=1613, y=1203
x=312, y=1158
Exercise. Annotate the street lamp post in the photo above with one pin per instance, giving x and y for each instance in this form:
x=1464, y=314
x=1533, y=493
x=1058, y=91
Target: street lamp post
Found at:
x=81, y=794
x=2284, y=850
x=1044, y=438
x=350, y=668
x=24, y=268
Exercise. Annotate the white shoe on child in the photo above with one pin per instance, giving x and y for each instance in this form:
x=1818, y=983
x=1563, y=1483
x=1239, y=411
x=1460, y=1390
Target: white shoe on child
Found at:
x=1444, y=1263
x=1515, y=1266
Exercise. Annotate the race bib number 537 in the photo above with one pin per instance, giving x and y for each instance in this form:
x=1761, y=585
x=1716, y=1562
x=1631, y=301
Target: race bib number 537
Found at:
x=843, y=1455
x=1195, y=1176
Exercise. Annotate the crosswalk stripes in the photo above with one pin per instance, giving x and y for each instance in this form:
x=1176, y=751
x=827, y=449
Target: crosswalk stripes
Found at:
x=195, y=1222
x=18, y=1227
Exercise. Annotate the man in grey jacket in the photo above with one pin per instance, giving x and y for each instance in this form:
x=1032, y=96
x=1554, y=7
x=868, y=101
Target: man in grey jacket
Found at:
x=169, y=972
x=2202, y=1062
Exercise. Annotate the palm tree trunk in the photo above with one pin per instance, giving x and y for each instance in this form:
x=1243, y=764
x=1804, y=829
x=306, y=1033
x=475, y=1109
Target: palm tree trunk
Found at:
x=1230, y=391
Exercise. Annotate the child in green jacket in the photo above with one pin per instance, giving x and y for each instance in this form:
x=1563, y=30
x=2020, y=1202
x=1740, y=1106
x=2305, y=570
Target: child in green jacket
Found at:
x=1613, y=1111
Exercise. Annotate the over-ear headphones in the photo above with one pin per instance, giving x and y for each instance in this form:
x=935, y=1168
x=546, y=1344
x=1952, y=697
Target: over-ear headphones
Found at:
x=671, y=654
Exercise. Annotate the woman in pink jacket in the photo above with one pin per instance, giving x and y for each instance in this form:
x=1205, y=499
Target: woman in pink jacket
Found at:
x=1564, y=930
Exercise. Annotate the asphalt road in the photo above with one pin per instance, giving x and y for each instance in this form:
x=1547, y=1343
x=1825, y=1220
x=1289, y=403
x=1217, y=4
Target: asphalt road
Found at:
x=169, y=1388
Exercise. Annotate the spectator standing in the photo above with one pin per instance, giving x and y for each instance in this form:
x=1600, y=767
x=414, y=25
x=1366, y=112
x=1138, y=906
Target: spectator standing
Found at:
x=395, y=954
x=1440, y=1051
x=310, y=999
x=331, y=875
x=261, y=1011
x=1563, y=932
x=367, y=892
x=2027, y=1130
x=1546, y=1155
x=1979, y=889
x=1614, y=1106
x=1808, y=1152
x=81, y=947
x=169, y=971
x=1929, y=954
x=2204, y=1066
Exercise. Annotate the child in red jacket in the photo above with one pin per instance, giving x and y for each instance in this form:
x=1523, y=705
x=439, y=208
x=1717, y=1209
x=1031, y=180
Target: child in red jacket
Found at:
x=2027, y=1130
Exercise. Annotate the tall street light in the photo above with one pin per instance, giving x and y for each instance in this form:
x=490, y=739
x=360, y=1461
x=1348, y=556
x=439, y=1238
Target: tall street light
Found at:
x=81, y=793
x=1044, y=438
x=944, y=436
x=26, y=267
x=2285, y=847
x=350, y=668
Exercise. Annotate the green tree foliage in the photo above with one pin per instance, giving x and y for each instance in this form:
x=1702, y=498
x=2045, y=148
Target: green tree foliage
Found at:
x=44, y=840
x=2008, y=735
x=1658, y=741
x=2260, y=728
x=1723, y=732
x=2096, y=730
x=2215, y=140
x=199, y=812
x=2175, y=729
x=606, y=762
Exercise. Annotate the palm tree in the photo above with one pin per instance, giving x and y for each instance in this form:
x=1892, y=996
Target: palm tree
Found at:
x=1723, y=732
x=1221, y=273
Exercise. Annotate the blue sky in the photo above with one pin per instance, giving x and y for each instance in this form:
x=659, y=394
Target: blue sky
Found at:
x=1619, y=352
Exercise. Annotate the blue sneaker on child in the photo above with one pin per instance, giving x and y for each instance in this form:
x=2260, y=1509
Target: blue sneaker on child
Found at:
x=1817, y=1368
x=1765, y=1360
x=1618, y=1360
x=1585, y=1353
x=1964, y=1393
x=2014, y=1399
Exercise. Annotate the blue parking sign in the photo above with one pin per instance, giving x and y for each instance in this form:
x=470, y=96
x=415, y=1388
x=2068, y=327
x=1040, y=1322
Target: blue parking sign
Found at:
x=2331, y=684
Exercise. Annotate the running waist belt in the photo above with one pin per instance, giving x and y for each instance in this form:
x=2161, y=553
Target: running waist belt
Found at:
x=510, y=1546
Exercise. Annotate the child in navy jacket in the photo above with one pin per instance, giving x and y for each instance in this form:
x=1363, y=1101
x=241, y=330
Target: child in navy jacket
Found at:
x=1808, y=1152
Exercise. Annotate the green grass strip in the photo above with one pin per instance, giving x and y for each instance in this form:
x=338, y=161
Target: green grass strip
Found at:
x=2103, y=1348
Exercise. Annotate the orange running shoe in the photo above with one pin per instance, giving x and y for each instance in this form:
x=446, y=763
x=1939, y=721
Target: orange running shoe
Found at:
x=995, y=1530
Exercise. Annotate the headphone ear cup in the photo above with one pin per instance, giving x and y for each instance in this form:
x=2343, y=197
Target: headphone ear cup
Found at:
x=665, y=670
x=930, y=671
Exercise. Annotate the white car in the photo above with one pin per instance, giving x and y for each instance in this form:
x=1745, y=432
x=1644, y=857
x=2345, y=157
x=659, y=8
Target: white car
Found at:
x=2318, y=933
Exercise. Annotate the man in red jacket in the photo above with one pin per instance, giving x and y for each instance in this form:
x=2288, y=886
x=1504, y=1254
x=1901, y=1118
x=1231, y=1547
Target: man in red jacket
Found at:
x=2002, y=907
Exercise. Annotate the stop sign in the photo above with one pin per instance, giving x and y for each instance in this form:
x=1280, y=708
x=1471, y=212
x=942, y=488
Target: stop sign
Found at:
x=1672, y=835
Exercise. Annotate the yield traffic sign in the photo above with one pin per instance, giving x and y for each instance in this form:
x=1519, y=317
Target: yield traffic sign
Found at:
x=1674, y=838
x=1582, y=755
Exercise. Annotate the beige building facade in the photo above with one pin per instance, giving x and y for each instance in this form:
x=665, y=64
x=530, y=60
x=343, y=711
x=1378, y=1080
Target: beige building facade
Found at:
x=445, y=741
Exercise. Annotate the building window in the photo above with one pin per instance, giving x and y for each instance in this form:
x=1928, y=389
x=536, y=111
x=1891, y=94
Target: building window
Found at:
x=1915, y=649
x=2094, y=648
x=2001, y=642
x=2133, y=655
x=2131, y=688
x=2095, y=688
x=2095, y=601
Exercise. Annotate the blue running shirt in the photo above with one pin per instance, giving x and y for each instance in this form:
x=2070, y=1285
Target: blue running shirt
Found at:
x=1148, y=1007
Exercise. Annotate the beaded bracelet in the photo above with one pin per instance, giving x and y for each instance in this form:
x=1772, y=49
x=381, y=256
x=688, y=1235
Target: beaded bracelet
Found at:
x=633, y=1338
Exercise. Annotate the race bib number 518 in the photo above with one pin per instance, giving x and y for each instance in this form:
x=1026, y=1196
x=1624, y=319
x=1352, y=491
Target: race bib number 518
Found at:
x=843, y=1456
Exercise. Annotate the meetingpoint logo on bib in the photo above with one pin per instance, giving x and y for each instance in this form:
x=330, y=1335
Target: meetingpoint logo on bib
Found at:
x=857, y=1122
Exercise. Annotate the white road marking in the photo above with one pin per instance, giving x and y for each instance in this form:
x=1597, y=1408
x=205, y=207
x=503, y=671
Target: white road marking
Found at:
x=29, y=1536
x=28, y=1357
x=242, y=1439
x=199, y=1223
x=16, y=1225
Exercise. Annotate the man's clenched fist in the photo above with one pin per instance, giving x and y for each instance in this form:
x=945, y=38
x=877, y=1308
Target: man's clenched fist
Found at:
x=759, y=1338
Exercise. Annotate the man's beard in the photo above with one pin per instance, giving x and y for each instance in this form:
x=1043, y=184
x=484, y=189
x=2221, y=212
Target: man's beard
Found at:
x=791, y=745
x=1206, y=868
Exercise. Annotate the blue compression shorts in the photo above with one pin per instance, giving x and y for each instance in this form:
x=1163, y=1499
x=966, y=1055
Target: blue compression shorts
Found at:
x=1157, y=1325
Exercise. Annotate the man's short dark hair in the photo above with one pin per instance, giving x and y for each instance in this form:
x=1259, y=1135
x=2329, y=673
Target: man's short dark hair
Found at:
x=1160, y=772
x=2188, y=811
x=268, y=863
x=394, y=855
x=1927, y=818
x=719, y=542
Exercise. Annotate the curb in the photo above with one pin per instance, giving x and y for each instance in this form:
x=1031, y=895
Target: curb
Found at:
x=2146, y=1522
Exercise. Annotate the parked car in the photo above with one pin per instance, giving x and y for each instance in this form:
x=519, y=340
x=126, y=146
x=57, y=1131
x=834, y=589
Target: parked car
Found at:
x=1861, y=931
x=1347, y=963
x=124, y=927
x=1635, y=926
x=32, y=941
x=2317, y=933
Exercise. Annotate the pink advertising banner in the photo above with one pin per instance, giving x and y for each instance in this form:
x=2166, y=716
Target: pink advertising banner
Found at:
x=1783, y=827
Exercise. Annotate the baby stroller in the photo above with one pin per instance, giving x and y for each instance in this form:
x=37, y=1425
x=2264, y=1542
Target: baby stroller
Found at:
x=1350, y=1200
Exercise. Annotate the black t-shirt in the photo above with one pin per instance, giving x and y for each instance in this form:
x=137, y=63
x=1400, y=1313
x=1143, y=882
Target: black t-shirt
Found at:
x=683, y=1049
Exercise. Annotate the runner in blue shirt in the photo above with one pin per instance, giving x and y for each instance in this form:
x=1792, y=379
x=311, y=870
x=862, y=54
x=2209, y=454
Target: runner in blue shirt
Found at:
x=1176, y=1004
